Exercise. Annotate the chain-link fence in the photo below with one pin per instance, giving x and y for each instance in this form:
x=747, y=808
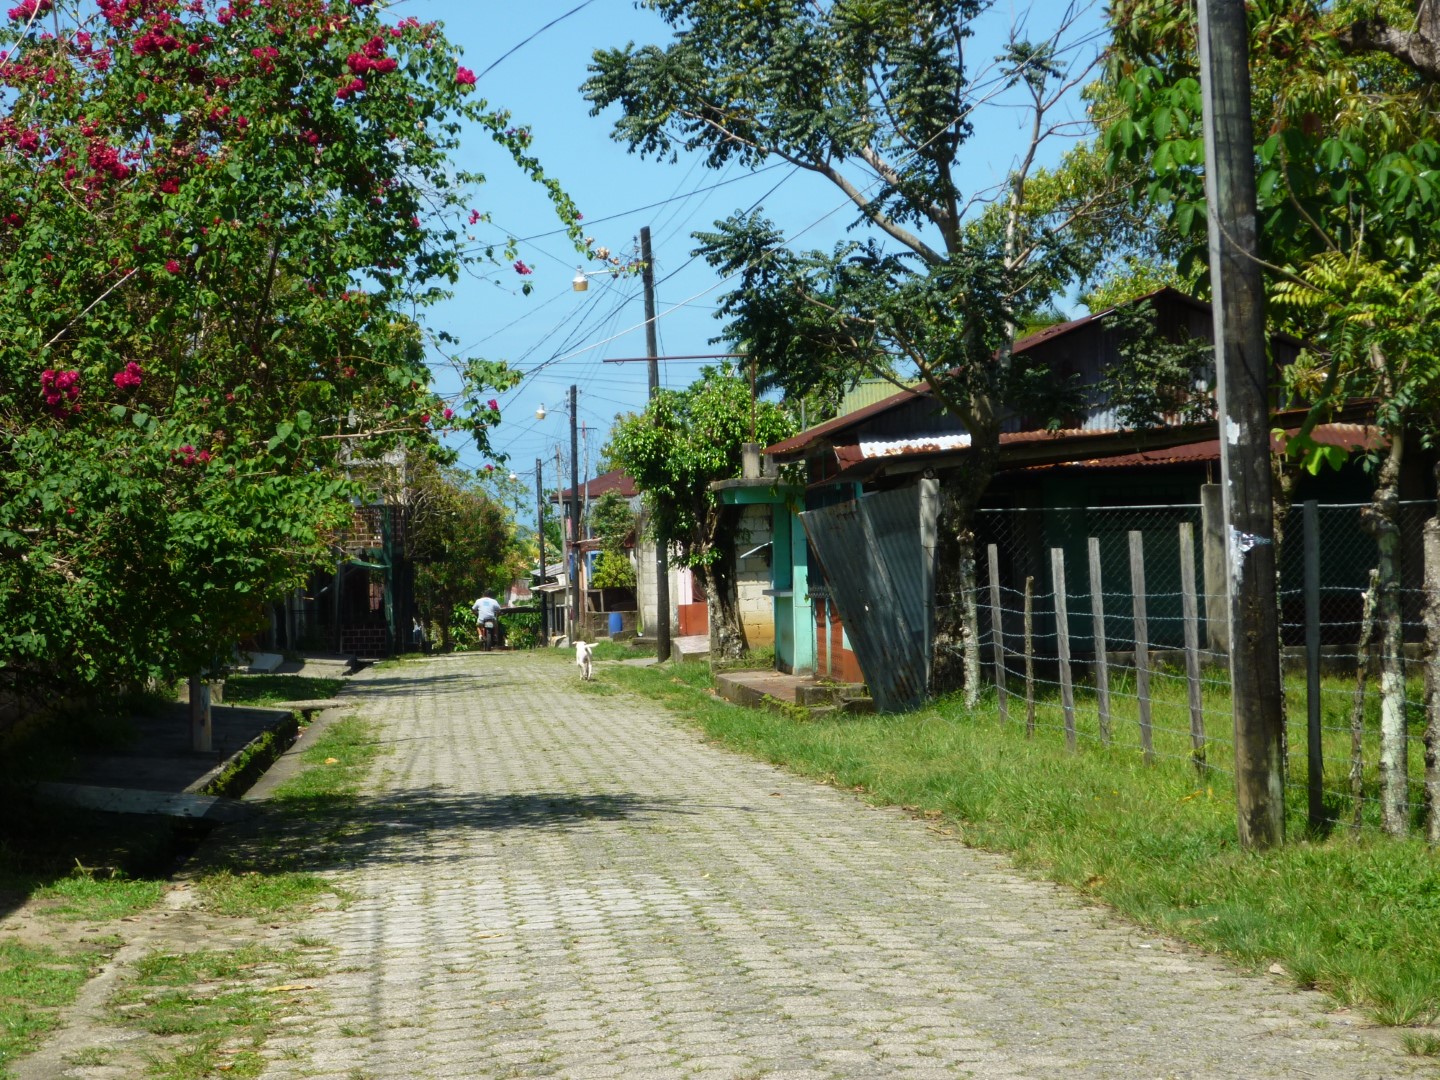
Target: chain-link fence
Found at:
x=1139, y=655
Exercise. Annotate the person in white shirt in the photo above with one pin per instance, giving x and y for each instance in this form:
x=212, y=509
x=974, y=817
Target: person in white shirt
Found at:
x=487, y=607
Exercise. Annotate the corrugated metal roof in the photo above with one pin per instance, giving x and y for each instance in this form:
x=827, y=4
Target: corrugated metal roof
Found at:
x=899, y=447
x=1348, y=437
x=605, y=482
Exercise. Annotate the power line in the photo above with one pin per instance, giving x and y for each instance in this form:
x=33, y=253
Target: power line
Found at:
x=532, y=37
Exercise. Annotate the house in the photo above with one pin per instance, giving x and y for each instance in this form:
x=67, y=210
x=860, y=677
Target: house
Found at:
x=870, y=508
x=687, y=604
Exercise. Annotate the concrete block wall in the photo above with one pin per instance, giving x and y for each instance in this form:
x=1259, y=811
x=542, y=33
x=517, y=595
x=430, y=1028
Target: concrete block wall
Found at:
x=752, y=576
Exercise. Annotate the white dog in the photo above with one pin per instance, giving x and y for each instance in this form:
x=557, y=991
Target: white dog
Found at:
x=582, y=657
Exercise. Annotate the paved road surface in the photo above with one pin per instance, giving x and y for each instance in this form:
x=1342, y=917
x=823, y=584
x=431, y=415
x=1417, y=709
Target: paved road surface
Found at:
x=566, y=883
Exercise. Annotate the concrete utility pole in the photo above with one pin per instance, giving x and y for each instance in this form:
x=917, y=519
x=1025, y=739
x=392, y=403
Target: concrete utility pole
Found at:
x=540, y=537
x=1244, y=385
x=575, y=605
x=652, y=350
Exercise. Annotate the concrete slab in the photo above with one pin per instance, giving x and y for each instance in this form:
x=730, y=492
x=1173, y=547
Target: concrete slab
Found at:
x=690, y=647
x=114, y=800
x=263, y=663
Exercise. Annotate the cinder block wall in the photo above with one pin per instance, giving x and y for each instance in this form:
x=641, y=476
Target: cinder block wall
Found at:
x=752, y=576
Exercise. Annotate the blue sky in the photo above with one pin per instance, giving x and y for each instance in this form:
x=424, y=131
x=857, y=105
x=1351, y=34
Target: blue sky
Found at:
x=558, y=336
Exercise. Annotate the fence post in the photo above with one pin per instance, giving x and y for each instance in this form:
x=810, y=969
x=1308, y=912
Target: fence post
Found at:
x=997, y=633
x=1142, y=636
x=1432, y=679
x=201, y=723
x=1102, y=666
x=1029, y=657
x=1062, y=643
x=1357, y=704
x=1315, y=754
x=1190, y=619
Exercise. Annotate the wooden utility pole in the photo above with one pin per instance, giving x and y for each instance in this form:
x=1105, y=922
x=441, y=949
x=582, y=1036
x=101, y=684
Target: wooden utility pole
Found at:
x=575, y=606
x=540, y=537
x=652, y=351
x=1243, y=386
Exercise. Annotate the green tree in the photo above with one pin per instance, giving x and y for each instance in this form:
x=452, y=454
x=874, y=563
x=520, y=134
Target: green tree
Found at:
x=684, y=441
x=462, y=541
x=1348, y=145
x=879, y=99
x=220, y=226
x=613, y=523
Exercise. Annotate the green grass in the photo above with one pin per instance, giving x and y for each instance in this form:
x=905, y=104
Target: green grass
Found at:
x=270, y=874
x=85, y=897
x=214, y=1009
x=1352, y=917
x=335, y=763
x=618, y=650
x=273, y=689
x=35, y=983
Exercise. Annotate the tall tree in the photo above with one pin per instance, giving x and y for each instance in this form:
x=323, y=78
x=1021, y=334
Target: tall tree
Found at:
x=462, y=540
x=1348, y=142
x=220, y=226
x=684, y=441
x=878, y=98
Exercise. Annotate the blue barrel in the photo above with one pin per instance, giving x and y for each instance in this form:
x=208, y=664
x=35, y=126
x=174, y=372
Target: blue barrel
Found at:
x=617, y=623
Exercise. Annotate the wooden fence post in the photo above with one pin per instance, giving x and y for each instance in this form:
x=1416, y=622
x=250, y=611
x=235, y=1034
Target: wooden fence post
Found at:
x=1432, y=679
x=997, y=633
x=201, y=724
x=1102, y=665
x=1142, y=637
x=1029, y=657
x=1315, y=753
x=1190, y=618
x=1062, y=643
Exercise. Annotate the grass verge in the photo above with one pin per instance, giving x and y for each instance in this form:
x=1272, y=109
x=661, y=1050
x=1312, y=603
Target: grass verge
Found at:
x=1354, y=918
x=273, y=689
x=211, y=1011
x=35, y=984
x=271, y=871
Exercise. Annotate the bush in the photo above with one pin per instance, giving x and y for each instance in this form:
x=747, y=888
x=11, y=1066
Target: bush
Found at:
x=522, y=628
x=613, y=570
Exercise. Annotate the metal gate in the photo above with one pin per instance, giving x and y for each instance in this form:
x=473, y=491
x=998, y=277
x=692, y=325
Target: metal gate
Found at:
x=878, y=554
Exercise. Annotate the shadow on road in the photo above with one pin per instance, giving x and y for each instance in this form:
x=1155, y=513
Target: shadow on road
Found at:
x=413, y=827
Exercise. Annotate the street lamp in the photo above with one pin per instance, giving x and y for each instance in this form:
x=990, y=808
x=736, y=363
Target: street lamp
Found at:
x=581, y=281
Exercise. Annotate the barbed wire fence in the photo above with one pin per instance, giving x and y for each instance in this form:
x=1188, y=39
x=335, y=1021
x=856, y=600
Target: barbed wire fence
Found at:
x=1107, y=626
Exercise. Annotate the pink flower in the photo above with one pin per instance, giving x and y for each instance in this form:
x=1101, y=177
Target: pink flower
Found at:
x=522, y=269
x=29, y=9
x=424, y=418
x=464, y=76
x=494, y=405
x=171, y=266
x=474, y=217
x=128, y=377
x=449, y=414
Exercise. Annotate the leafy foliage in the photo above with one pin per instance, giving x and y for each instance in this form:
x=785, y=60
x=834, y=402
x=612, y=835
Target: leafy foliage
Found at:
x=1157, y=380
x=219, y=224
x=684, y=441
x=461, y=540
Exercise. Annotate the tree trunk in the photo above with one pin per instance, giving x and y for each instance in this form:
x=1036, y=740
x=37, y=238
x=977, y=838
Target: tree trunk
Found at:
x=722, y=600
x=956, y=658
x=1382, y=520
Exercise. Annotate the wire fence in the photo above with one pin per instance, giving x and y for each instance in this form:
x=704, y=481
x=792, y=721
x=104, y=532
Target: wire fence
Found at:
x=1108, y=626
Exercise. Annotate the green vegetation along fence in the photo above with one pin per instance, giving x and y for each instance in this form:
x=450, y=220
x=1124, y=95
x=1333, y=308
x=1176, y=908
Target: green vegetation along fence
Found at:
x=1107, y=625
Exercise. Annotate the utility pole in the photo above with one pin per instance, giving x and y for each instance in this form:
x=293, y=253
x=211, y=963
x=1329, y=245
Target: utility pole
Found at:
x=652, y=350
x=575, y=605
x=540, y=537
x=1243, y=387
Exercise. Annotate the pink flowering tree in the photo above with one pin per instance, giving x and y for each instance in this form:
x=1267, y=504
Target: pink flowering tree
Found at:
x=220, y=227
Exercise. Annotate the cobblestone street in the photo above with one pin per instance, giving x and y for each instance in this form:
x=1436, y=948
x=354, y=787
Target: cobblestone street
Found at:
x=569, y=883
